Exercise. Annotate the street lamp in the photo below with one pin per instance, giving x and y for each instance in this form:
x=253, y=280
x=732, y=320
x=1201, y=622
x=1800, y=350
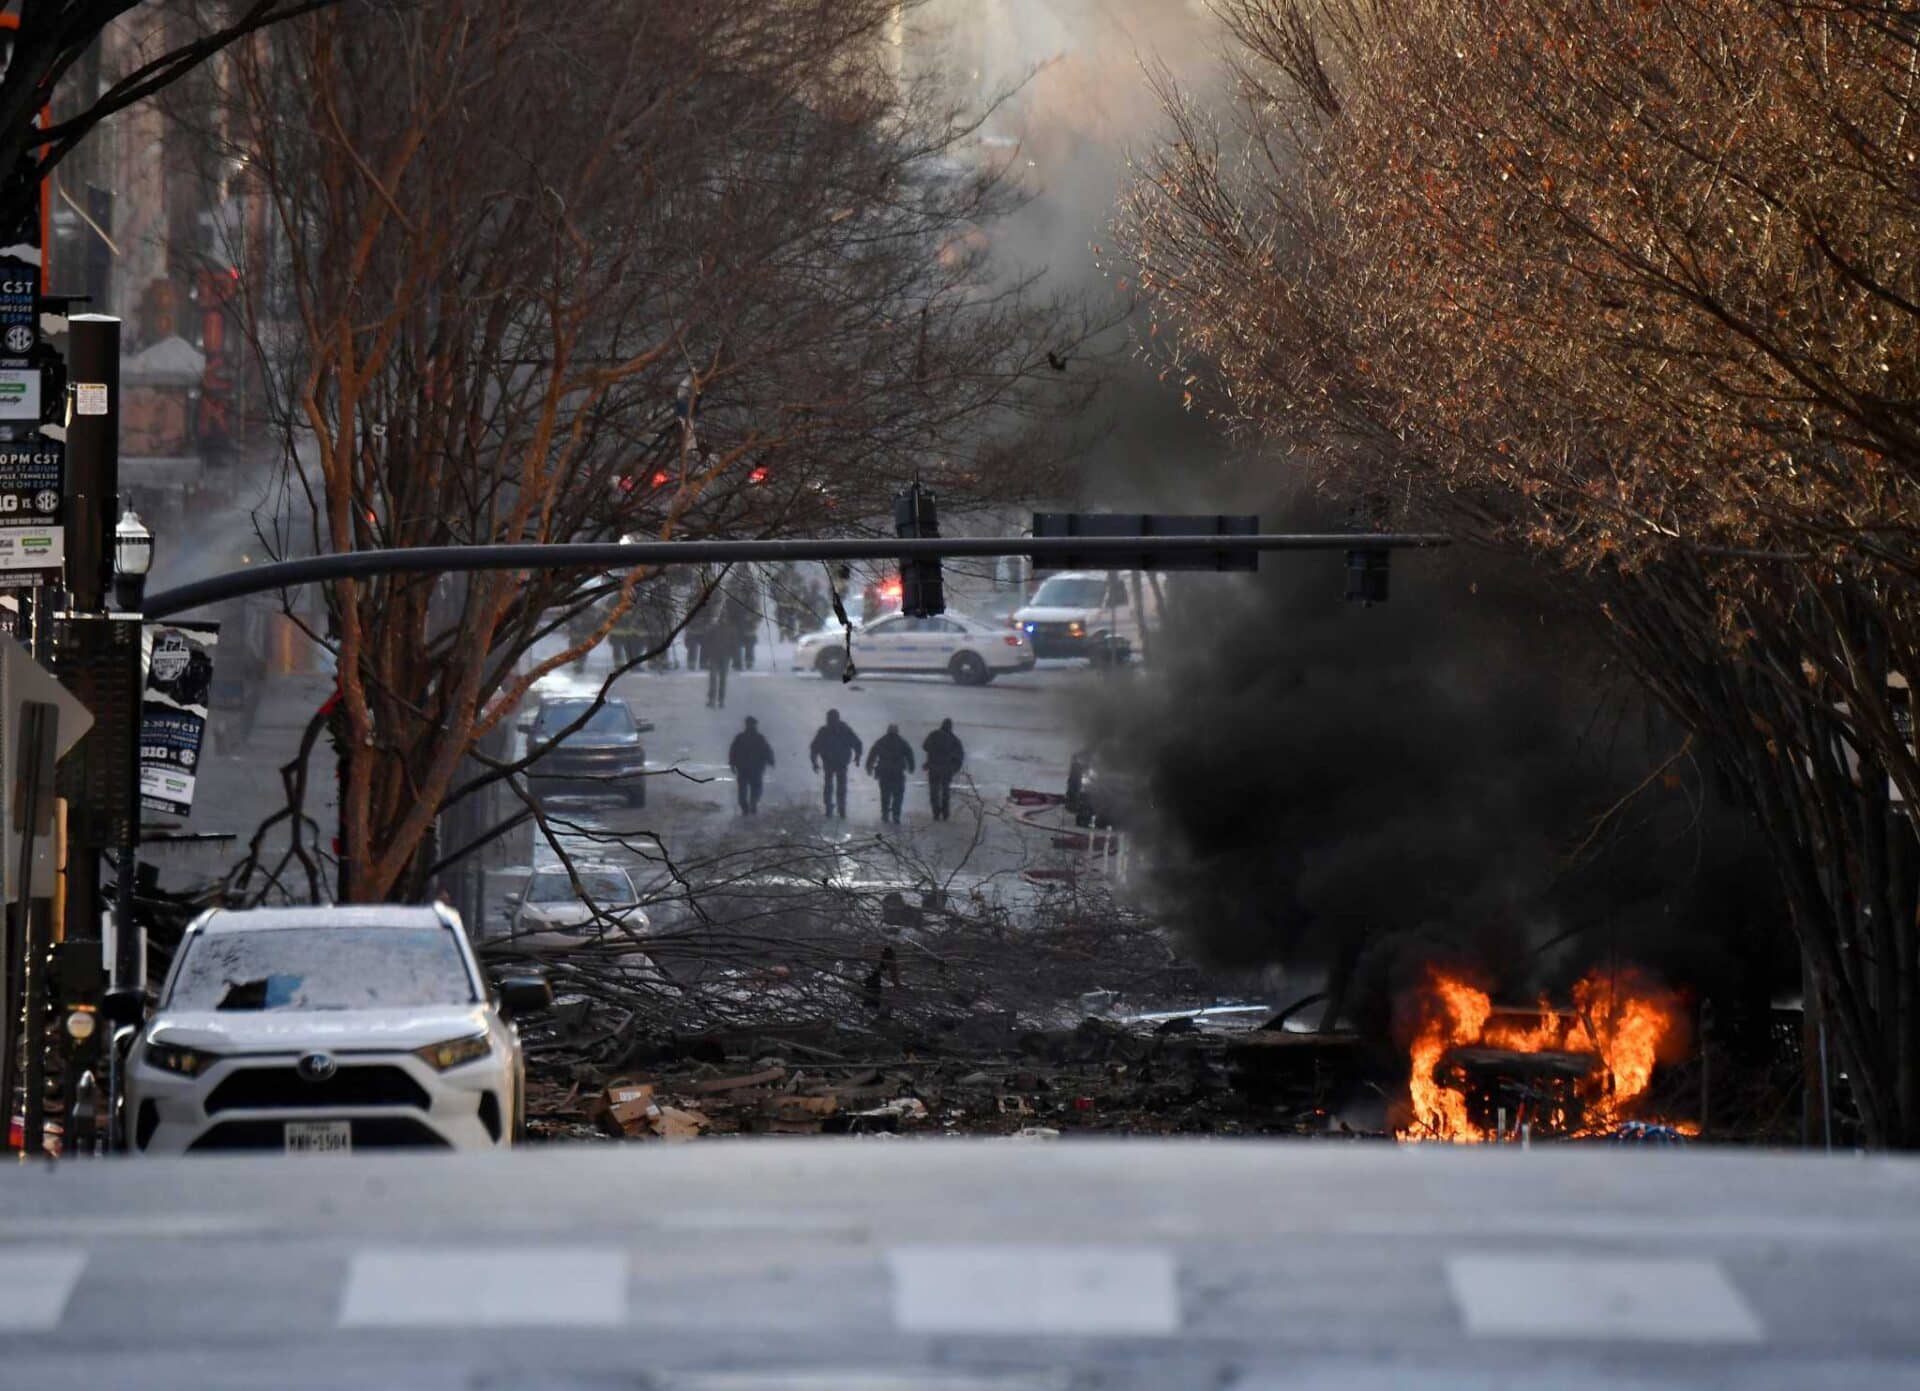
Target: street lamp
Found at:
x=132, y=558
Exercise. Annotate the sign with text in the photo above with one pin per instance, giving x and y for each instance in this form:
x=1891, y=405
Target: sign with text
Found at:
x=173, y=713
x=20, y=395
x=19, y=307
x=32, y=532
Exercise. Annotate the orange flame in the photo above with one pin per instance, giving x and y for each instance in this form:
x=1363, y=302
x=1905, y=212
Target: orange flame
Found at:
x=1627, y=1023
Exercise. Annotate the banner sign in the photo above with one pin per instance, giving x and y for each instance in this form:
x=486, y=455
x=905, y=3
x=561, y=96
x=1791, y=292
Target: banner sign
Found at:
x=32, y=534
x=19, y=308
x=173, y=712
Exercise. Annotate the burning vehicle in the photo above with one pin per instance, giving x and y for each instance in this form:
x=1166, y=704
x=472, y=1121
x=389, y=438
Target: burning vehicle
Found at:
x=1480, y=1073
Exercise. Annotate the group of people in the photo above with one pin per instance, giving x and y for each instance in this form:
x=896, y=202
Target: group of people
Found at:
x=836, y=747
x=718, y=619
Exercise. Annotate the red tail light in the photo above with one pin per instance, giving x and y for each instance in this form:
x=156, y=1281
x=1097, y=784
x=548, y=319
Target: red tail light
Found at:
x=1012, y=640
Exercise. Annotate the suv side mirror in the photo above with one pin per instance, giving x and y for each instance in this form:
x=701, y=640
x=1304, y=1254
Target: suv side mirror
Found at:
x=525, y=995
x=124, y=1007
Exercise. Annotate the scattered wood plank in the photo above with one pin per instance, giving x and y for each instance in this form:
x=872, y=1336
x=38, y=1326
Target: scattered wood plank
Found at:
x=713, y=1085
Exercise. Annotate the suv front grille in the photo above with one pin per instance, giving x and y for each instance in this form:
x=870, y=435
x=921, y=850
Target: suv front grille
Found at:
x=281, y=1088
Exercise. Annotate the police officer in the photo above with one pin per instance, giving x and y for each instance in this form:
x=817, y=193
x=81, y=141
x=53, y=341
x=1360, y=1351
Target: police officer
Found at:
x=890, y=760
x=945, y=754
x=750, y=755
x=629, y=636
x=720, y=649
x=834, y=746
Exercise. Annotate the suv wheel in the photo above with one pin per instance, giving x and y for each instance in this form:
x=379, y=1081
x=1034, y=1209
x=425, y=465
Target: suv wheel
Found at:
x=831, y=662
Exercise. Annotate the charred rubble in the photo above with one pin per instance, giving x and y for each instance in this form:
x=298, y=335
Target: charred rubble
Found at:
x=830, y=1010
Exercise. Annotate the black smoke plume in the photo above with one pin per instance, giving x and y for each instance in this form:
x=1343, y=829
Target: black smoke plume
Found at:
x=1458, y=774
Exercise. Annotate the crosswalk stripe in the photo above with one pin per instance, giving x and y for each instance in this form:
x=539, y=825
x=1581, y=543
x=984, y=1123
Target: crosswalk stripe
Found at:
x=861, y=1379
x=1024, y=1289
x=474, y=1287
x=1580, y=1296
x=35, y=1284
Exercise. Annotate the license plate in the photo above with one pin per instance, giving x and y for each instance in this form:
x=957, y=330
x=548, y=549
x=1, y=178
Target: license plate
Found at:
x=319, y=1137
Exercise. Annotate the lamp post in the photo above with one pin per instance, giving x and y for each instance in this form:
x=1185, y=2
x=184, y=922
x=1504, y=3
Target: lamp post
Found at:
x=132, y=559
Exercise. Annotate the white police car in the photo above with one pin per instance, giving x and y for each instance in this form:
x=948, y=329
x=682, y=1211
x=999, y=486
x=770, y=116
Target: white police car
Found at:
x=969, y=651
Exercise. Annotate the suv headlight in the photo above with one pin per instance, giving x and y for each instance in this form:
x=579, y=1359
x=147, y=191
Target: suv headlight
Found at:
x=454, y=1051
x=185, y=1062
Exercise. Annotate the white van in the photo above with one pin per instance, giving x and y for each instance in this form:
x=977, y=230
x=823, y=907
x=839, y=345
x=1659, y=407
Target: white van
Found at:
x=1083, y=613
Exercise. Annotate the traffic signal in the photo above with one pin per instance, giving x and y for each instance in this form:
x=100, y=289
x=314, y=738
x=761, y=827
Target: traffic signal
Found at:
x=922, y=591
x=1367, y=576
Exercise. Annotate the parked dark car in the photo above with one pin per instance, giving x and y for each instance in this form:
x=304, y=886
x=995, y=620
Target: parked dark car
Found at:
x=603, y=754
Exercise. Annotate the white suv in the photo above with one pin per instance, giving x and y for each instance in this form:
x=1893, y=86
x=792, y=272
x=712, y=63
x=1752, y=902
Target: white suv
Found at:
x=327, y=1030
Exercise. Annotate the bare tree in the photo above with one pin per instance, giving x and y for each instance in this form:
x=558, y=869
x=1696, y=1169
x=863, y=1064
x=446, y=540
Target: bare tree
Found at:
x=1632, y=287
x=571, y=274
x=49, y=42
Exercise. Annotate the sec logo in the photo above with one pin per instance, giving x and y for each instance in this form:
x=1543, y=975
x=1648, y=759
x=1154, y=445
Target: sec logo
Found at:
x=19, y=338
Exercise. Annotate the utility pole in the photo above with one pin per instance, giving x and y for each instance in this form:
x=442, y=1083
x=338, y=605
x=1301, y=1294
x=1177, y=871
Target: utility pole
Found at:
x=93, y=456
x=85, y=640
x=96, y=655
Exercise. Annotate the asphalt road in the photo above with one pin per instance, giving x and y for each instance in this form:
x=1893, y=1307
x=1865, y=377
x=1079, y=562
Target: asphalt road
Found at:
x=965, y=1266
x=1019, y=732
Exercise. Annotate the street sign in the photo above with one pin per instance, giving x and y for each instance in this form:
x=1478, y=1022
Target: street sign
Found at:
x=19, y=307
x=22, y=681
x=32, y=481
x=1064, y=525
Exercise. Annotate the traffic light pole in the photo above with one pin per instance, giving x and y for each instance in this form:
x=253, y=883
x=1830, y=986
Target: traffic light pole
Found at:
x=1121, y=553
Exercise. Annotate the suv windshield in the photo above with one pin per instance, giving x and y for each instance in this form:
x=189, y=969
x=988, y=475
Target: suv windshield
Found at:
x=603, y=887
x=300, y=968
x=611, y=718
x=1071, y=592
